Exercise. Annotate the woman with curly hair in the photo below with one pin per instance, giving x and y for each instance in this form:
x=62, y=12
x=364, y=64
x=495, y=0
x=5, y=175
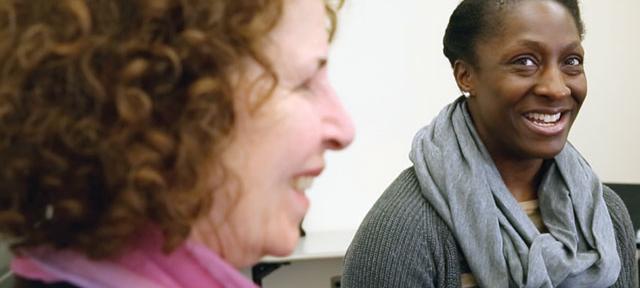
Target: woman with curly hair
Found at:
x=160, y=143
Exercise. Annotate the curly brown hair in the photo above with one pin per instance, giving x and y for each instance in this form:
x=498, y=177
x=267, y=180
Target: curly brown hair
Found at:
x=112, y=111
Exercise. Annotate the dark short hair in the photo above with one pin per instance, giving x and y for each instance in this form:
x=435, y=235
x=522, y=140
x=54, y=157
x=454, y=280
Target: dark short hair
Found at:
x=473, y=20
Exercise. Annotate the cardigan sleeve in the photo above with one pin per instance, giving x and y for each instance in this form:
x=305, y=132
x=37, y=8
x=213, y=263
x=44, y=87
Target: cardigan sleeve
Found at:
x=389, y=248
x=625, y=239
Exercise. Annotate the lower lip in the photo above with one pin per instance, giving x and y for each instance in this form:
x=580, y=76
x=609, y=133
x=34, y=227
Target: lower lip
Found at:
x=550, y=130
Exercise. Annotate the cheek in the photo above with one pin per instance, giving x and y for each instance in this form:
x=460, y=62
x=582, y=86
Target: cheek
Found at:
x=504, y=93
x=515, y=90
x=501, y=108
x=306, y=135
x=286, y=150
x=579, y=90
x=301, y=133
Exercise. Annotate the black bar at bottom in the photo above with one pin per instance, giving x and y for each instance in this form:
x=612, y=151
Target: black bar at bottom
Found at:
x=261, y=270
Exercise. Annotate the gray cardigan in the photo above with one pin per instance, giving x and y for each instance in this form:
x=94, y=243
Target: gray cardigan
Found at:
x=402, y=242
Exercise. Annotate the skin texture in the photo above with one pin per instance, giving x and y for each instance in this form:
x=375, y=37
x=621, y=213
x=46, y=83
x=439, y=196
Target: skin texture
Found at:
x=533, y=64
x=277, y=144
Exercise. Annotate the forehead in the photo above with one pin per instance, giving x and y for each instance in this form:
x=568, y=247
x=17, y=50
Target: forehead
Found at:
x=301, y=33
x=537, y=18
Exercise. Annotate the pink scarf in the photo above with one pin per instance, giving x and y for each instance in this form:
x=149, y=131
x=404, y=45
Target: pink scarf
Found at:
x=145, y=265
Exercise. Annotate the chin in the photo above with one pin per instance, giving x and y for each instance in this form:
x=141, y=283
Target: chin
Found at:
x=547, y=151
x=285, y=244
x=549, y=155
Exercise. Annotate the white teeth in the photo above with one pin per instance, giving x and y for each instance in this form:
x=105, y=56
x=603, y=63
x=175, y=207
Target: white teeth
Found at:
x=302, y=183
x=545, y=118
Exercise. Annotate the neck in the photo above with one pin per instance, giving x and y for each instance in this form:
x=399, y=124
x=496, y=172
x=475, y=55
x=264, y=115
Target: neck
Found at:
x=520, y=176
x=223, y=239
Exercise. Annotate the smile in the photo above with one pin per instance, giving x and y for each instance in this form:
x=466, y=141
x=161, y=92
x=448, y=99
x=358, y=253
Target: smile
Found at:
x=546, y=124
x=544, y=120
x=302, y=183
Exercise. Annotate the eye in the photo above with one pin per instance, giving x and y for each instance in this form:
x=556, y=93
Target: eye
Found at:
x=524, y=65
x=573, y=61
x=573, y=65
x=304, y=86
x=526, y=61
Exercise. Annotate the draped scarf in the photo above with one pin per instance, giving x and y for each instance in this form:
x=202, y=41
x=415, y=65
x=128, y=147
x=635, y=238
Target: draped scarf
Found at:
x=501, y=245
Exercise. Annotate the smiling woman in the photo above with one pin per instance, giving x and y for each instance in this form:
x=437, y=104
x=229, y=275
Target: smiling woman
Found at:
x=160, y=143
x=526, y=85
x=277, y=149
x=496, y=196
x=525, y=60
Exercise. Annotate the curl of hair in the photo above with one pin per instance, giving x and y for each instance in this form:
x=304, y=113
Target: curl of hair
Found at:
x=475, y=20
x=110, y=111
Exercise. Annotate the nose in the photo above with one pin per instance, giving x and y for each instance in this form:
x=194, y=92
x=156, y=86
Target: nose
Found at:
x=552, y=84
x=338, y=128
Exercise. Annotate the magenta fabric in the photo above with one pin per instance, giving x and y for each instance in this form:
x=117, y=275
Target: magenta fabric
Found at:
x=144, y=265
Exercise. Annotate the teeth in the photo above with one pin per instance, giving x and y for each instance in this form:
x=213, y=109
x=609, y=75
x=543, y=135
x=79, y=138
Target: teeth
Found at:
x=302, y=183
x=545, y=118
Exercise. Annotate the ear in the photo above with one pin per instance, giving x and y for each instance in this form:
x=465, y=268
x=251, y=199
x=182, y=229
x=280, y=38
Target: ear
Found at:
x=464, y=74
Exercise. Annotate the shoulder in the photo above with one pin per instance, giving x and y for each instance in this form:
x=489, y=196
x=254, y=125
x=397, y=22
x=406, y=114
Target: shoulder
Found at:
x=400, y=202
x=621, y=221
x=617, y=208
x=625, y=238
x=392, y=247
x=398, y=214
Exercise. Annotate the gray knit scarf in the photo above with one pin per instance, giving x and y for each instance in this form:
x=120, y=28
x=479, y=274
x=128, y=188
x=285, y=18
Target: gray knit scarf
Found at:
x=501, y=245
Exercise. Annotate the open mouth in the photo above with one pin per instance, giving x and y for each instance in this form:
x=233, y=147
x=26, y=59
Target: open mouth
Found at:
x=302, y=183
x=546, y=124
x=544, y=120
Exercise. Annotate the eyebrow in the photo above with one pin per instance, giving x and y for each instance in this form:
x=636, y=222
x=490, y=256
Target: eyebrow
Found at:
x=537, y=45
x=321, y=63
x=306, y=71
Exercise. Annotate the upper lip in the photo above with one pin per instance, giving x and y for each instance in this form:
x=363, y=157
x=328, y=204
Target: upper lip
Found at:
x=549, y=111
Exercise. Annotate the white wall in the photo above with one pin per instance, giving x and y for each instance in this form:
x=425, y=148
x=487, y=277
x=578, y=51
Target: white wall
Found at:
x=388, y=67
x=608, y=128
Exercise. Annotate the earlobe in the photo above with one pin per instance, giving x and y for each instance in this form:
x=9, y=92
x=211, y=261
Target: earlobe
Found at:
x=463, y=73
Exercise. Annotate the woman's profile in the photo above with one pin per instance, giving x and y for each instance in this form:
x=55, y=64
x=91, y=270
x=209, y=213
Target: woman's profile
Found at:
x=160, y=143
